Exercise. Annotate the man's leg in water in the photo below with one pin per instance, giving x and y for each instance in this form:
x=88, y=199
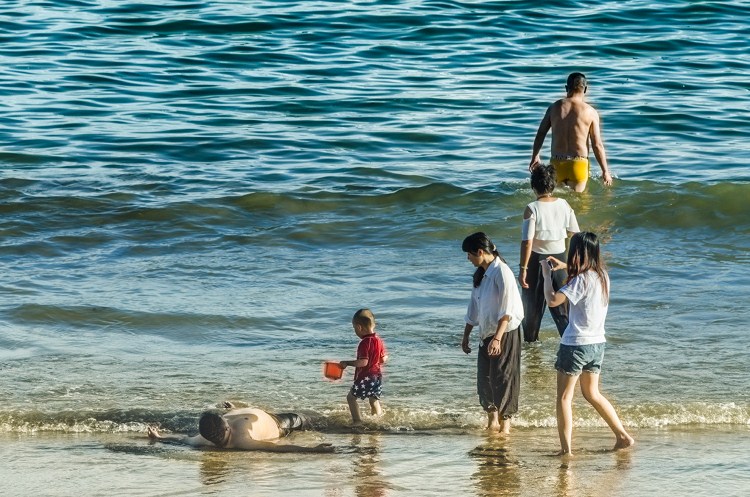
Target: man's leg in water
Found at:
x=290, y=421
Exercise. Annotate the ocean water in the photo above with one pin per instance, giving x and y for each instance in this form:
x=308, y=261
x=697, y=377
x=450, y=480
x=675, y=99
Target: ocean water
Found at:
x=196, y=197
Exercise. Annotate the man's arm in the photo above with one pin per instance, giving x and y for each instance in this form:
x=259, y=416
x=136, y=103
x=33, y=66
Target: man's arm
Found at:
x=598, y=146
x=196, y=441
x=541, y=134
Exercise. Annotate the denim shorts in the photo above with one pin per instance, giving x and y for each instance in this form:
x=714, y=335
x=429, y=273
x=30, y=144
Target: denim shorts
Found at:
x=574, y=359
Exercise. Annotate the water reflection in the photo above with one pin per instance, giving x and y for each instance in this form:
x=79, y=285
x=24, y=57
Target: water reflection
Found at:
x=565, y=479
x=368, y=478
x=497, y=472
x=575, y=476
x=214, y=468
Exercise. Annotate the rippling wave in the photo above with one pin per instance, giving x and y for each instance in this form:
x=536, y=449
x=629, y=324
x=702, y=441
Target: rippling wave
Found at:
x=398, y=420
x=56, y=224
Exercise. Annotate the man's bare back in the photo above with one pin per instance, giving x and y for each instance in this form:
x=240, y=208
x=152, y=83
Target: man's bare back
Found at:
x=571, y=120
x=575, y=130
x=250, y=425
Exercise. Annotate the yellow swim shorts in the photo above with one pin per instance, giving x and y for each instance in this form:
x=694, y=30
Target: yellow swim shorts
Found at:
x=570, y=169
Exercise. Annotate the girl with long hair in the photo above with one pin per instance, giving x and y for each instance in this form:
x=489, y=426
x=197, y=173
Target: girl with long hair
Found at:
x=581, y=351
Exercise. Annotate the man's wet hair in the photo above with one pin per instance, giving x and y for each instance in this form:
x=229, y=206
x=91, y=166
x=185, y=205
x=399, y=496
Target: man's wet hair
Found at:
x=213, y=427
x=576, y=81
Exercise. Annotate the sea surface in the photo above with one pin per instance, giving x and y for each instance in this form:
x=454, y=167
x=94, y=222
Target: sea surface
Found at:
x=195, y=197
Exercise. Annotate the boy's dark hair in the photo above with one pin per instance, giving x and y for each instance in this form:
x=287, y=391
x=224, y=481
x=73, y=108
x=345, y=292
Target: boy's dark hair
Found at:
x=543, y=179
x=213, y=427
x=364, y=317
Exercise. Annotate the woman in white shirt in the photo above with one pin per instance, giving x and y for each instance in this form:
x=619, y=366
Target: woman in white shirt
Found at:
x=496, y=308
x=581, y=349
x=547, y=224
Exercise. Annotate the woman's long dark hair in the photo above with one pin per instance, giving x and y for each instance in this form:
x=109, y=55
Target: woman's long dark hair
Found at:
x=583, y=255
x=475, y=242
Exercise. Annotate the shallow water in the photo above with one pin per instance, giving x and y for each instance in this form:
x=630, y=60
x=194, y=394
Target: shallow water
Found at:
x=196, y=196
x=379, y=464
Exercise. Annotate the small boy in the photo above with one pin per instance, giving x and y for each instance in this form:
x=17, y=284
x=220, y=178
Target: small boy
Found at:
x=368, y=379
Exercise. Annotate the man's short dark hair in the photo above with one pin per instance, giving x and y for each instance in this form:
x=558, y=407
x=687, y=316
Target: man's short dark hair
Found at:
x=576, y=81
x=213, y=427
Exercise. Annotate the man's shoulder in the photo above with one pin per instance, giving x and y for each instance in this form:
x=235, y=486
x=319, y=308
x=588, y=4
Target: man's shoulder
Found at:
x=583, y=108
x=590, y=108
x=556, y=105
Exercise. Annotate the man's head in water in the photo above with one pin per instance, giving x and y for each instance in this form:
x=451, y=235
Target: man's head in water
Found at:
x=214, y=428
x=576, y=82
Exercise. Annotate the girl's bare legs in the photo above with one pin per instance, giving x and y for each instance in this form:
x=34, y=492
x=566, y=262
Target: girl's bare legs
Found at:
x=565, y=388
x=590, y=390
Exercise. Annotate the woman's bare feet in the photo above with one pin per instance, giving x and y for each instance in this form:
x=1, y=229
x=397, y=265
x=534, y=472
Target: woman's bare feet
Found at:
x=493, y=424
x=624, y=441
x=505, y=427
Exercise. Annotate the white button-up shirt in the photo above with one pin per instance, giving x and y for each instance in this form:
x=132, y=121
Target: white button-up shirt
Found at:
x=496, y=296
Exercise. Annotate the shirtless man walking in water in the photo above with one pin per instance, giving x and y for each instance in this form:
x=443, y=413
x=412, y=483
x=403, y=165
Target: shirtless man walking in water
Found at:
x=574, y=125
x=244, y=428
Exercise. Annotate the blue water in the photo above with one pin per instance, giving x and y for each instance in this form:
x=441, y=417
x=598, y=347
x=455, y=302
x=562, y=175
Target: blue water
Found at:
x=196, y=196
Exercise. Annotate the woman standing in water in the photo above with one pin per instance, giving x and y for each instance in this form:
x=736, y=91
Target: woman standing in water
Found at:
x=581, y=349
x=547, y=223
x=496, y=308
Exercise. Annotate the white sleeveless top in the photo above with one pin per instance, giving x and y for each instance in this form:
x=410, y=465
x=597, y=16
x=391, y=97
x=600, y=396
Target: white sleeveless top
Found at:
x=548, y=226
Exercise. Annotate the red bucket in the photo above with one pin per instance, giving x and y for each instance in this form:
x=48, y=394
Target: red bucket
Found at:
x=332, y=370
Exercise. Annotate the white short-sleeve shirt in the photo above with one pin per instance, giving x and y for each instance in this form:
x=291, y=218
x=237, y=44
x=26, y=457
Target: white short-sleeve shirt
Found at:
x=588, y=310
x=496, y=296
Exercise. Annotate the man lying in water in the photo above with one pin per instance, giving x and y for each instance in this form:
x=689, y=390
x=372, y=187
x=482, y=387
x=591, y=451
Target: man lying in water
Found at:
x=244, y=428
